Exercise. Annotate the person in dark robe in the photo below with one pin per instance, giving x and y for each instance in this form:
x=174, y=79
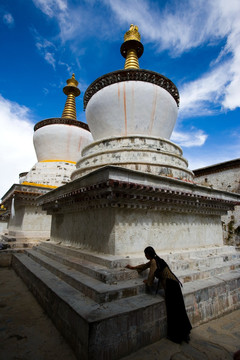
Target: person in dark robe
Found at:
x=178, y=324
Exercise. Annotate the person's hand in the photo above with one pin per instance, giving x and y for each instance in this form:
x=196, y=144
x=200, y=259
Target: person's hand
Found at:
x=129, y=267
x=145, y=281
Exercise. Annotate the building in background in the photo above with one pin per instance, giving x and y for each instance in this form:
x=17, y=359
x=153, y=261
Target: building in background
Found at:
x=224, y=176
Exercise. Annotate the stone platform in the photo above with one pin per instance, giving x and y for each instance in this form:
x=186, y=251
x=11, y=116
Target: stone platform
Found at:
x=120, y=211
x=27, y=223
x=103, y=309
x=35, y=333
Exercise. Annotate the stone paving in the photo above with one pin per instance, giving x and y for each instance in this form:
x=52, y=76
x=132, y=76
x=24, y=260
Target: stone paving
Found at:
x=26, y=333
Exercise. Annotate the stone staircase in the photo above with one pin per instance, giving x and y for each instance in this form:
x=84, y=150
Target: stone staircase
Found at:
x=16, y=242
x=103, y=309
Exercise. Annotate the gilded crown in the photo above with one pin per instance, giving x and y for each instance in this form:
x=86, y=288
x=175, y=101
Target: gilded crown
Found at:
x=72, y=81
x=132, y=34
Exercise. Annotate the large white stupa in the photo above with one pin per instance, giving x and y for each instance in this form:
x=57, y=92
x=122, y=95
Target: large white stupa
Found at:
x=131, y=114
x=132, y=186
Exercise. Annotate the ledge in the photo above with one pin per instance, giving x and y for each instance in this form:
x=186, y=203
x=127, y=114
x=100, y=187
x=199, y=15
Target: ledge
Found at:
x=62, y=121
x=131, y=75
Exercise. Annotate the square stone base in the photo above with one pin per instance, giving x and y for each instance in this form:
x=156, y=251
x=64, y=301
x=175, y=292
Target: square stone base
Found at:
x=119, y=211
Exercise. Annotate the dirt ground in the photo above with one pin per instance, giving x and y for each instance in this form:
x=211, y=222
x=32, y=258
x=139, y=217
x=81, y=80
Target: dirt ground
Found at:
x=26, y=333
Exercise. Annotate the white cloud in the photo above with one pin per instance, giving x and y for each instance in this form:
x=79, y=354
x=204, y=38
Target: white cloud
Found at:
x=46, y=49
x=16, y=143
x=188, y=139
x=8, y=20
x=176, y=26
x=208, y=158
x=51, y=7
x=49, y=57
x=179, y=26
x=188, y=25
x=199, y=97
x=68, y=67
x=226, y=149
x=79, y=20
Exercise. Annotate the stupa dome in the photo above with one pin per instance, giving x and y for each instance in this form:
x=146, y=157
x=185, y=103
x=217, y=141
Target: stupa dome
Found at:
x=131, y=102
x=60, y=139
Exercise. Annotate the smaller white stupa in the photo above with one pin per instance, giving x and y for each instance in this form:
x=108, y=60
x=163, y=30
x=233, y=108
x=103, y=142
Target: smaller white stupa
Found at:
x=58, y=144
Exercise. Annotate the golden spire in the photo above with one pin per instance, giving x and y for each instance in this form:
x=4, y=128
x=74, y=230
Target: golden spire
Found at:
x=72, y=91
x=132, y=48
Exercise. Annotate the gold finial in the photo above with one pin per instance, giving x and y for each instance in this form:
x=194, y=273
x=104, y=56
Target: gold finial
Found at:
x=72, y=91
x=132, y=33
x=132, y=48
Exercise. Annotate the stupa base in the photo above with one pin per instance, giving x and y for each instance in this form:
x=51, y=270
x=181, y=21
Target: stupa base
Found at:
x=49, y=174
x=142, y=153
x=119, y=211
x=28, y=223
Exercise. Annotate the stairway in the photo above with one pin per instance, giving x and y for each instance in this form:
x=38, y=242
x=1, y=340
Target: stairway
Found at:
x=103, y=309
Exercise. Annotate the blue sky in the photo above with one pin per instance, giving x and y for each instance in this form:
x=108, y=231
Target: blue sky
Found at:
x=195, y=43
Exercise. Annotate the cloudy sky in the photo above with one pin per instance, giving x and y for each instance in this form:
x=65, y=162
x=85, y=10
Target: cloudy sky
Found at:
x=195, y=43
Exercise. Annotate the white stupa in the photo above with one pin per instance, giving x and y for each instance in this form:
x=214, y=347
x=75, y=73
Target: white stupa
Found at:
x=131, y=114
x=132, y=184
x=58, y=144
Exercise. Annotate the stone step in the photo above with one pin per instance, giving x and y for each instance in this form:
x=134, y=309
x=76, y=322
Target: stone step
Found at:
x=91, y=287
x=12, y=239
x=202, y=263
x=21, y=245
x=114, y=329
x=99, y=272
x=8, y=238
x=110, y=261
x=209, y=261
x=184, y=273
x=207, y=272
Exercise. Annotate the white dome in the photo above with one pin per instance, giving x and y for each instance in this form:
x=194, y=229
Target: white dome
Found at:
x=60, y=142
x=125, y=108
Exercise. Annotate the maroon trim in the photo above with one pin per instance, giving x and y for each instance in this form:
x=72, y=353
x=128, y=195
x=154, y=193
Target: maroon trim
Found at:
x=64, y=121
x=131, y=75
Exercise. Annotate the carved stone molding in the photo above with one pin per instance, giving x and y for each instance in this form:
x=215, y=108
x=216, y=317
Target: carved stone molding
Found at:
x=63, y=121
x=121, y=194
x=25, y=193
x=131, y=75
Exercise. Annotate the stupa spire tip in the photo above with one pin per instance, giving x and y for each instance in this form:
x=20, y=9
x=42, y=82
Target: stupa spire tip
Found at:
x=132, y=48
x=132, y=34
x=72, y=91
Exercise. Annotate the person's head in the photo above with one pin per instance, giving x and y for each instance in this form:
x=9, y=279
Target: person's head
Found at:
x=149, y=252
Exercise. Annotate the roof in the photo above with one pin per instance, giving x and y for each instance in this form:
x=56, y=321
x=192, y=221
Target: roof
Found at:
x=227, y=165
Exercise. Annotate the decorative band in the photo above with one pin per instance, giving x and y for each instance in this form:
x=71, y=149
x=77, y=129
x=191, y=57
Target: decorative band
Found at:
x=61, y=121
x=66, y=161
x=41, y=185
x=131, y=75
